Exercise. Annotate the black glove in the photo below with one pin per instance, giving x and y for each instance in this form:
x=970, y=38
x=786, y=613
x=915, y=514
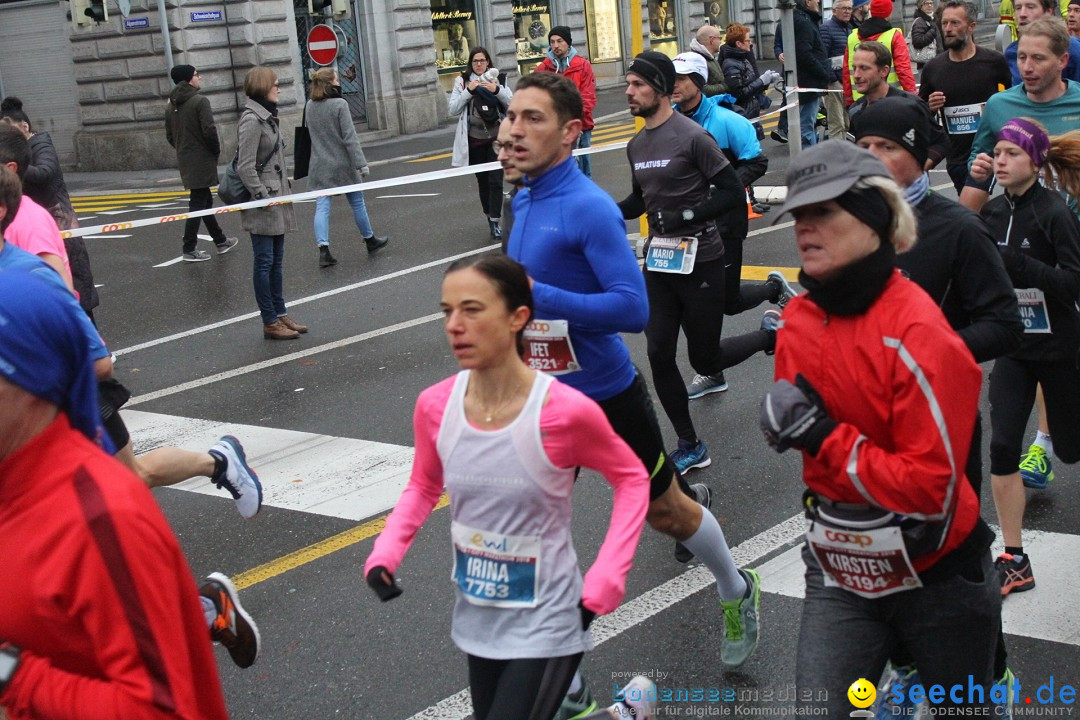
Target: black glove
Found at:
x=587, y=615
x=667, y=222
x=382, y=582
x=794, y=416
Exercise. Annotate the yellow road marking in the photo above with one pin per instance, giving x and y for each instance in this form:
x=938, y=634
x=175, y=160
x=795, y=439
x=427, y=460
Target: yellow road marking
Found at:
x=129, y=196
x=316, y=551
x=441, y=156
x=371, y=528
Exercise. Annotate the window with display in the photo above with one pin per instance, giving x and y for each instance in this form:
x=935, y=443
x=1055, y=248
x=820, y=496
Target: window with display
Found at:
x=602, y=21
x=532, y=21
x=454, y=24
x=663, y=35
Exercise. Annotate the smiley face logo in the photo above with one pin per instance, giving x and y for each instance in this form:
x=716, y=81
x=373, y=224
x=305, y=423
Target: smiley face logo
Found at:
x=862, y=693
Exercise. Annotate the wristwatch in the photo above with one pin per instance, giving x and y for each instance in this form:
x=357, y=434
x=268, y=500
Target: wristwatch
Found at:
x=688, y=215
x=9, y=663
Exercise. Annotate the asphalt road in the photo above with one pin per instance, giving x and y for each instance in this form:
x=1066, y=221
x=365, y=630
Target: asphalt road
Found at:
x=190, y=347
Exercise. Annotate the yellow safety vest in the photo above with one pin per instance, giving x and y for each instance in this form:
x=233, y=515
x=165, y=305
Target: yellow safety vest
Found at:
x=1007, y=16
x=885, y=39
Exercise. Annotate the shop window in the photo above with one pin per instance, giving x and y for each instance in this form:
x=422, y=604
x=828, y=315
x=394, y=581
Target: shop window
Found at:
x=663, y=35
x=454, y=24
x=717, y=13
x=602, y=21
x=532, y=21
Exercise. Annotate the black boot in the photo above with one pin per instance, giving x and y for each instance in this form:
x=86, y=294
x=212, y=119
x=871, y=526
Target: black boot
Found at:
x=496, y=229
x=375, y=243
x=325, y=258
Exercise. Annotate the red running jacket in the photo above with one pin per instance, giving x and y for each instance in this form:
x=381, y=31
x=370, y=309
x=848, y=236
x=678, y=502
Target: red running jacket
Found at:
x=905, y=391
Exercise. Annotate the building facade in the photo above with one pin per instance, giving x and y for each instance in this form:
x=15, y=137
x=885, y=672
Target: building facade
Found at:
x=100, y=89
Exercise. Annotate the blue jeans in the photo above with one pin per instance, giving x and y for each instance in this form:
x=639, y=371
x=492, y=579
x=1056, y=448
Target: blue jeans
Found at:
x=948, y=628
x=808, y=113
x=585, y=161
x=266, y=275
x=322, y=217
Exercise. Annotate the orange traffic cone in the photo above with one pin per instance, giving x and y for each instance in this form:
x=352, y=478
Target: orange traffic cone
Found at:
x=750, y=208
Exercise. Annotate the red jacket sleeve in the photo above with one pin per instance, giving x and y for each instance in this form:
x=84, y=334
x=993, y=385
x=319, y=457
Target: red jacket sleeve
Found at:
x=932, y=416
x=902, y=62
x=846, y=73
x=588, y=92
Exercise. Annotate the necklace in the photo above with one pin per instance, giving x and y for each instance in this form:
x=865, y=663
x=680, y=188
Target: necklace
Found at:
x=490, y=413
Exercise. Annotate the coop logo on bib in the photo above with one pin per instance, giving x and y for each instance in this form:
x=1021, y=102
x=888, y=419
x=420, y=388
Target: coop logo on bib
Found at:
x=496, y=569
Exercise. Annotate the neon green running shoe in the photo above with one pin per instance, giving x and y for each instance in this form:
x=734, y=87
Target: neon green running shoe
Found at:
x=1035, y=468
x=741, y=629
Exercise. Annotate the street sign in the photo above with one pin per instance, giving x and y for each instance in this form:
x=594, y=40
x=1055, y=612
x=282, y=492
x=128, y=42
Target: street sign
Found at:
x=205, y=16
x=136, y=22
x=322, y=45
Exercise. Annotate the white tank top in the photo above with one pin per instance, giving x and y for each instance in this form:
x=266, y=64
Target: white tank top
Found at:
x=515, y=573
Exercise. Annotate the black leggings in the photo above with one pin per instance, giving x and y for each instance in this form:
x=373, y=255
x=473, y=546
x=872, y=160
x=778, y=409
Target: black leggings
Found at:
x=1012, y=393
x=201, y=199
x=524, y=689
x=490, y=184
x=694, y=303
x=740, y=296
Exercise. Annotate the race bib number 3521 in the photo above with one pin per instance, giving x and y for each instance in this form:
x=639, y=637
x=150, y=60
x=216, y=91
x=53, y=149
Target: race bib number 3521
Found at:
x=496, y=569
x=548, y=347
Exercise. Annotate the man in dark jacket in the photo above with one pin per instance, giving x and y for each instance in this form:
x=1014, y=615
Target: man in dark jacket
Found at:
x=812, y=66
x=189, y=127
x=834, y=33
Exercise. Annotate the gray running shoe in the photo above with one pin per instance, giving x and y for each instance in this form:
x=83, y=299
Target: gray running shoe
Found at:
x=576, y=705
x=226, y=246
x=238, y=478
x=702, y=385
x=770, y=322
x=741, y=629
x=196, y=256
x=638, y=700
x=786, y=291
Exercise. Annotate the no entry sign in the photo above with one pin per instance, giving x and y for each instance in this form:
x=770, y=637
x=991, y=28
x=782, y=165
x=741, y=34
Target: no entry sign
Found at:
x=322, y=45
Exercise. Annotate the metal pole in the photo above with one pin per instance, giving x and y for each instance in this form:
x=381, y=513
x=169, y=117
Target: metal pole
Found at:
x=163, y=19
x=787, y=33
x=636, y=46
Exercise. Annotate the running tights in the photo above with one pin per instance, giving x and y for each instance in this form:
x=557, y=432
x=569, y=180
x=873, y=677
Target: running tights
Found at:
x=523, y=689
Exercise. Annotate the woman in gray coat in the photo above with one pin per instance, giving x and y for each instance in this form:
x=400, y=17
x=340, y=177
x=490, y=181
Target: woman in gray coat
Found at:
x=260, y=163
x=336, y=160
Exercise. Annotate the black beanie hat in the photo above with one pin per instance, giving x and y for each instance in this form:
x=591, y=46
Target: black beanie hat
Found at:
x=182, y=73
x=899, y=119
x=656, y=69
x=563, y=32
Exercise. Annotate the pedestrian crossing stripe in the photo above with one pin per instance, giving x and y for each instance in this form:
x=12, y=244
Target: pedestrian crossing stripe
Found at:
x=334, y=476
x=1046, y=613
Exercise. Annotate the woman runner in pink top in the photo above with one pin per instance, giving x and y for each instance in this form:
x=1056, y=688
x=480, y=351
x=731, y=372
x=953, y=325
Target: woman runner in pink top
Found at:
x=505, y=442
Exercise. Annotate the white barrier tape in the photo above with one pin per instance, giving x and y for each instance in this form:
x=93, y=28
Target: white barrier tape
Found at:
x=779, y=110
x=311, y=195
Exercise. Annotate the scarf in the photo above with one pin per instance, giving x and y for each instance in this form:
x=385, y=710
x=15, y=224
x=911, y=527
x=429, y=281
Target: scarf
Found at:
x=563, y=64
x=917, y=191
x=271, y=107
x=852, y=289
x=43, y=350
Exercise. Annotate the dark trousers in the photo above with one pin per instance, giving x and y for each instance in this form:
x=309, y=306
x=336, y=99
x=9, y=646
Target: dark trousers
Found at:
x=201, y=199
x=267, y=276
x=524, y=689
x=490, y=184
x=694, y=304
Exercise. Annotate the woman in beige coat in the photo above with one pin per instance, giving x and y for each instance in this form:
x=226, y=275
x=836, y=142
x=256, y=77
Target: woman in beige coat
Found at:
x=261, y=166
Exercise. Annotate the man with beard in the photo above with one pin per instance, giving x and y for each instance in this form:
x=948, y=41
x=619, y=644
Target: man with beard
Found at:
x=957, y=83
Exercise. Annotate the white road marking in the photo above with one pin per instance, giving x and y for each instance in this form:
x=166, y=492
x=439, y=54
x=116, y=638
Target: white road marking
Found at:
x=116, y=212
x=1047, y=613
x=650, y=603
x=167, y=263
x=161, y=205
x=334, y=476
x=301, y=301
x=86, y=217
x=229, y=374
x=104, y=237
